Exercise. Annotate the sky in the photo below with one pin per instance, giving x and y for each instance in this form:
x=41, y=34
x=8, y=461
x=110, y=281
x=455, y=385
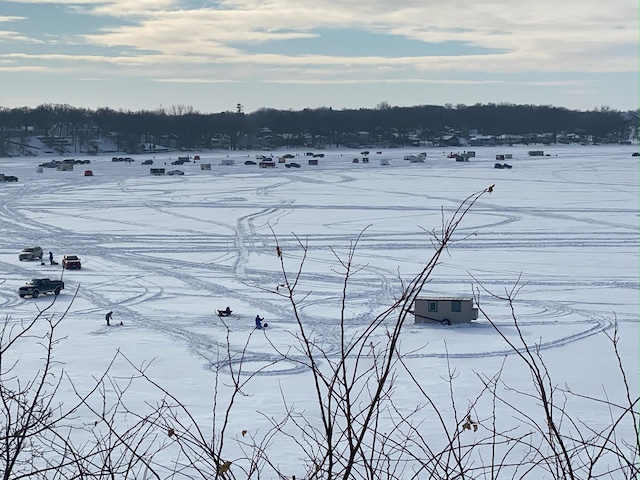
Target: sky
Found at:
x=286, y=54
x=164, y=252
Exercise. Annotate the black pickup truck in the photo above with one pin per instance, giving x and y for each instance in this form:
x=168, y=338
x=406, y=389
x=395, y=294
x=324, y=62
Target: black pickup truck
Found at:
x=36, y=286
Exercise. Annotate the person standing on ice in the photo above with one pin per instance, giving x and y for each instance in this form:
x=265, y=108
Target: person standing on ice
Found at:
x=259, y=322
x=107, y=317
x=51, y=258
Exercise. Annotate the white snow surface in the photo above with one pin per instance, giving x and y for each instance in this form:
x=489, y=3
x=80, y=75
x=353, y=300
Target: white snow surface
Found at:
x=164, y=252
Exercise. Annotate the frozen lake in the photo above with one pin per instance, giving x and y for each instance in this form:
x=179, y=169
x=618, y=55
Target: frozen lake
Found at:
x=164, y=252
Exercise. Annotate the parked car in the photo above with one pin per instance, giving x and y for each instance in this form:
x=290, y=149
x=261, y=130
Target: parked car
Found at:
x=71, y=262
x=250, y=162
x=292, y=164
x=175, y=172
x=147, y=162
x=30, y=253
x=10, y=178
x=635, y=154
x=501, y=165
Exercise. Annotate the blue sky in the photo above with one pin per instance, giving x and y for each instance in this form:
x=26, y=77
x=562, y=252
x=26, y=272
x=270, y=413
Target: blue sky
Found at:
x=212, y=55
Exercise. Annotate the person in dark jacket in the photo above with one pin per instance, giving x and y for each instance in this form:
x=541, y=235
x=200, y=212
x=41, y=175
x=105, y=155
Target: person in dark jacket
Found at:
x=107, y=317
x=51, y=258
x=259, y=322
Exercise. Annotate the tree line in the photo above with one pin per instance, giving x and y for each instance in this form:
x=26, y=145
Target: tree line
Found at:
x=192, y=128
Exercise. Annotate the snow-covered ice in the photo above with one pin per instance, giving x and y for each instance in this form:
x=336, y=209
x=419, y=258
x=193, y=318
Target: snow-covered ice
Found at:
x=164, y=252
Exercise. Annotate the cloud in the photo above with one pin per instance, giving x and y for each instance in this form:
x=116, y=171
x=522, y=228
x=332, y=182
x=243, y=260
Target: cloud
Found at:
x=545, y=32
x=22, y=68
x=10, y=36
x=4, y=19
x=230, y=41
x=425, y=81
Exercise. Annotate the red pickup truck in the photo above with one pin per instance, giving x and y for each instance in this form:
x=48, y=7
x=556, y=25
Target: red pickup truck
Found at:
x=71, y=262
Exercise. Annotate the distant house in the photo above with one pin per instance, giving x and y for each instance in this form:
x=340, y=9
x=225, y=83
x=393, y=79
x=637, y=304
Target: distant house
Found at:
x=450, y=141
x=444, y=310
x=248, y=142
x=363, y=137
x=265, y=137
x=536, y=153
x=482, y=140
x=152, y=148
x=508, y=139
x=414, y=140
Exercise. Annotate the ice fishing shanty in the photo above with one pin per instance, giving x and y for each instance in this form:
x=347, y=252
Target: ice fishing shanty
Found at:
x=444, y=310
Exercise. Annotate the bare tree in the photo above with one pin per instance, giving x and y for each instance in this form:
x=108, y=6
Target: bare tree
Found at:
x=32, y=421
x=355, y=389
x=42, y=436
x=558, y=442
x=359, y=429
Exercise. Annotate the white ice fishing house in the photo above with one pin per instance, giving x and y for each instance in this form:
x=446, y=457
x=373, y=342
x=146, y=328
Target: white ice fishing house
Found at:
x=445, y=310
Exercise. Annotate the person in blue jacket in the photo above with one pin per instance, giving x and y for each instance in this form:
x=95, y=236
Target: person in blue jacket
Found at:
x=259, y=322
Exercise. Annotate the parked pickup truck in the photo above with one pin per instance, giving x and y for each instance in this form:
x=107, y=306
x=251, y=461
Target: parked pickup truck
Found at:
x=36, y=286
x=71, y=262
